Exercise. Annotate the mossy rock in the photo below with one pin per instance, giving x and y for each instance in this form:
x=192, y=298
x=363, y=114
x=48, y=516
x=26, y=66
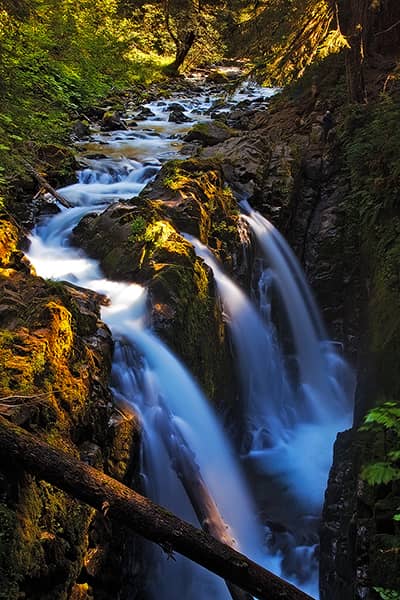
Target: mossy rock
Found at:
x=140, y=241
x=210, y=133
x=55, y=360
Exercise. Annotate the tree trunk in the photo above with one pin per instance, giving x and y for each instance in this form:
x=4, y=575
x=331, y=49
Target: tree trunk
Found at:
x=353, y=23
x=182, y=51
x=139, y=514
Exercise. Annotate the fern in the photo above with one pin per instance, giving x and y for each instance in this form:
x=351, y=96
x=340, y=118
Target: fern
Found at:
x=387, y=594
x=380, y=472
x=387, y=418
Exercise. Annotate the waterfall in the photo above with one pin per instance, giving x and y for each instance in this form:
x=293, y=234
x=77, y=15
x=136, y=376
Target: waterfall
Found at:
x=265, y=386
x=287, y=443
x=145, y=374
x=289, y=424
x=149, y=377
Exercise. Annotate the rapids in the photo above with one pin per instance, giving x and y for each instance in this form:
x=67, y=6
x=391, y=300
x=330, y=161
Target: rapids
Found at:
x=289, y=426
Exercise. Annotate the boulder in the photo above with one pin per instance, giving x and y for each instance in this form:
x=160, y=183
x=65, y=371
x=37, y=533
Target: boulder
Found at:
x=111, y=121
x=177, y=116
x=80, y=130
x=210, y=134
x=144, y=113
x=217, y=77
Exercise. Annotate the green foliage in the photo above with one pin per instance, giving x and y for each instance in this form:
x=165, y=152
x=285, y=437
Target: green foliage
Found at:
x=387, y=594
x=380, y=472
x=373, y=156
x=385, y=417
x=56, y=59
x=283, y=37
x=138, y=228
x=206, y=20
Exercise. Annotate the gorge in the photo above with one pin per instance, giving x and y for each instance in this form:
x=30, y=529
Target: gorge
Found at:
x=199, y=293
x=289, y=417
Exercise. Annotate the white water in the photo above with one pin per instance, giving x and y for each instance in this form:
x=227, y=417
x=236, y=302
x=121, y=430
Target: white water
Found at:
x=145, y=372
x=265, y=389
x=290, y=426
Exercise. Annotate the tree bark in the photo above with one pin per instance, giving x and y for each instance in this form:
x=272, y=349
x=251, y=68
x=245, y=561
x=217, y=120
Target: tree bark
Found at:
x=42, y=181
x=182, y=50
x=139, y=514
x=354, y=24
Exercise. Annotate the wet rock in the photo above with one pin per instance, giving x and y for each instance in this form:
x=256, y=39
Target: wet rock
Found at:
x=217, y=77
x=80, y=130
x=209, y=134
x=144, y=113
x=111, y=121
x=175, y=106
x=244, y=160
x=177, y=116
x=141, y=242
x=358, y=536
x=130, y=123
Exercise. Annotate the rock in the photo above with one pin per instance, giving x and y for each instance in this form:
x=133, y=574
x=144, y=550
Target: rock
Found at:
x=144, y=113
x=243, y=158
x=177, y=116
x=111, y=121
x=141, y=242
x=209, y=134
x=58, y=387
x=217, y=77
x=175, y=106
x=130, y=123
x=80, y=130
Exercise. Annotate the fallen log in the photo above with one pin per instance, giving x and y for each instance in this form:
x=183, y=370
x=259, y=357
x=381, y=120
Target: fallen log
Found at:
x=138, y=513
x=45, y=184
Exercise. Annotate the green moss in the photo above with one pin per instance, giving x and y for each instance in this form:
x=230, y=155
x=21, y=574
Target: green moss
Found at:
x=138, y=227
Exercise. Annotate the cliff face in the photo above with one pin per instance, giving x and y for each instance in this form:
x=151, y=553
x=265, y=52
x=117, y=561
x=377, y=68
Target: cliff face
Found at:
x=55, y=364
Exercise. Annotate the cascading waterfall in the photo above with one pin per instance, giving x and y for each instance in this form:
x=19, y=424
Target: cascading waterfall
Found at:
x=286, y=421
x=289, y=443
x=260, y=362
x=145, y=374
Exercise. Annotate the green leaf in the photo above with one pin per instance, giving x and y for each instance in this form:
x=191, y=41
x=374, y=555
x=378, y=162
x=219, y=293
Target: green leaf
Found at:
x=387, y=594
x=380, y=472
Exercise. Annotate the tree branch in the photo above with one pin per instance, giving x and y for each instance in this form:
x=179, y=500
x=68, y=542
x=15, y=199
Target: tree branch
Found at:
x=138, y=513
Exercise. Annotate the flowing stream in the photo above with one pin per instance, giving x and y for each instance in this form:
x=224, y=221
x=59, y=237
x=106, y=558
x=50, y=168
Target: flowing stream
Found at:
x=290, y=425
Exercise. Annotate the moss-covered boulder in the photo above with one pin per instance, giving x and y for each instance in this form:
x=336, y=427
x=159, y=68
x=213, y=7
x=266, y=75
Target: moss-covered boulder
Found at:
x=141, y=241
x=55, y=359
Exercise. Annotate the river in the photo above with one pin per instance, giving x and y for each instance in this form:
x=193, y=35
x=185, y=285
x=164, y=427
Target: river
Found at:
x=291, y=422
